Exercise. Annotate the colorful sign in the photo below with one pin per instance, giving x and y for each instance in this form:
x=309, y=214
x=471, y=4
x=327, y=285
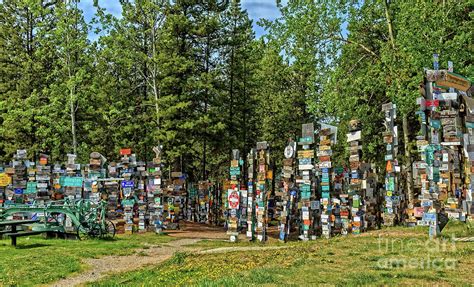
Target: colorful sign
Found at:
x=5, y=179
x=233, y=198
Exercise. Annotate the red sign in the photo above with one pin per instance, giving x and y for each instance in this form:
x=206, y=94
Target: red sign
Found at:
x=234, y=199
x=433, y=103
x=125, y=151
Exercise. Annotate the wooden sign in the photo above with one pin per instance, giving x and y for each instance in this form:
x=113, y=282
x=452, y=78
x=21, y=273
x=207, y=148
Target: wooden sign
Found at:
x=325, y=164
x=324, y=147
x=325, y=142
x=324, y=153
x=262, y=145
x=176, y=174
x=306, y=154
x=453, y=80
x=125, y=151
x=354, y=136
x=387, y=107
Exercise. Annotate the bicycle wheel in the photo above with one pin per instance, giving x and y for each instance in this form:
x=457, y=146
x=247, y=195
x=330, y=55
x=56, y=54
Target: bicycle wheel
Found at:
x=82, y=233
x=108, y=229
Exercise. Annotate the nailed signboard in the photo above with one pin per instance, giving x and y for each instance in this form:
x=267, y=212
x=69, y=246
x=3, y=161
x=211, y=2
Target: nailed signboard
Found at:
x=354, y=136
x=68, y=181
x=5, y=179
x=262, y=145
x=125, y=151
x=453, y=80
x=233, y=198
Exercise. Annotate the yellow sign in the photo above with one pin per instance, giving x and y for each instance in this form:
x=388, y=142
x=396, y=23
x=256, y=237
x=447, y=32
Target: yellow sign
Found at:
x=5, y=179
x=454, y=81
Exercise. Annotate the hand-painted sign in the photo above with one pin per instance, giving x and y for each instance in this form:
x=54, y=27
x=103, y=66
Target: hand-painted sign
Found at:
x=125, y=151
x=5, y=179
x=30, y=187
x=453, y=80
x=233, y=199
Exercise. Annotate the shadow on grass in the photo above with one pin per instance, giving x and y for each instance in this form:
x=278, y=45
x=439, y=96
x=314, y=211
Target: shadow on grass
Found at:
x=31, y=246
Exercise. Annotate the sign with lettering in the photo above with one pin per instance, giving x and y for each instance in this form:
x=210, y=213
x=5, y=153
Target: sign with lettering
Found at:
x=127, y=184
x=453, y=80
x=68, y=181
x=5, y=179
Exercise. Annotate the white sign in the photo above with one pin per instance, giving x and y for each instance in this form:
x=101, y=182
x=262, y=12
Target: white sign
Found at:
x=354, y=136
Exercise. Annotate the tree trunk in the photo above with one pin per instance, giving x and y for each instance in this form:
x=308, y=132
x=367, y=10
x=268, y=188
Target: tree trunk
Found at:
x=73, y=121
x=407, y=163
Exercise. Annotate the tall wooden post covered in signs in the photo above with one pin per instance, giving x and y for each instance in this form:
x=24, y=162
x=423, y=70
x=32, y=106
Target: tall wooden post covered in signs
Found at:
x=233, y=197
x=390, y=137
x=251, y=224
x=356, y=192
x=263, y=174
x=305, y=175
x=155, y=192
x=325, y=166
x=289, y=192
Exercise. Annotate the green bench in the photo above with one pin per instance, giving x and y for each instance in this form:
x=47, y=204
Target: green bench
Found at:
x=14, y=235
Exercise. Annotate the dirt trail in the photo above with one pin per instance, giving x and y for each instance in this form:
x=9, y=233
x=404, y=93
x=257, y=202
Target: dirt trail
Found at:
x=189, y=234
x=101, y=267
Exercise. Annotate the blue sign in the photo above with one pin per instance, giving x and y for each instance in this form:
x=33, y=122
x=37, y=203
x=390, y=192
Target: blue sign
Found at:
x=128, y=183
x=19, y=191
x=325, y=170
x=429, y=216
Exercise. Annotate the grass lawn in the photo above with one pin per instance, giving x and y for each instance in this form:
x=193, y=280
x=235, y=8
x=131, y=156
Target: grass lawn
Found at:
x=395, y=256
x=37, y=260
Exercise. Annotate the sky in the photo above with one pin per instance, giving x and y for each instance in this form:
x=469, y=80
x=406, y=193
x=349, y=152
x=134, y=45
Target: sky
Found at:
x=256, y=9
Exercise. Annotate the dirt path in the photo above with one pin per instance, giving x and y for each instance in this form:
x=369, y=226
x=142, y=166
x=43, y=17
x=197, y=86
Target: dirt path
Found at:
x=101, y=267
x=188, y=234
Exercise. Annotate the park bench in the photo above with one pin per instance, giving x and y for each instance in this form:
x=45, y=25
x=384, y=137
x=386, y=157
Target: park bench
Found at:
x=13, y=233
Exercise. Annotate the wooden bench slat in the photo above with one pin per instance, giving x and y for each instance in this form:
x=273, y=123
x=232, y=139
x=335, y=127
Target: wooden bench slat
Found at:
x=20, y=234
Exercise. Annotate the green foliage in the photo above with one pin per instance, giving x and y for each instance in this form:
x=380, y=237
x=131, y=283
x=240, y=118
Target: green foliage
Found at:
x=191, y=76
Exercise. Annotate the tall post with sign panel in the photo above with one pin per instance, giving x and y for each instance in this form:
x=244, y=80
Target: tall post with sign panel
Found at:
x=262, y=191
x=233, y=197
x=251, y=220
x=390, y=137
x=288, y=194
x=328, y=200
x=304, y=179
x=155, y=191
x=356, y=193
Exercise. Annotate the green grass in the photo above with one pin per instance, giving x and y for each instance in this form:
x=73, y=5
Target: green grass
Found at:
x=384, y=257
x=38, y=261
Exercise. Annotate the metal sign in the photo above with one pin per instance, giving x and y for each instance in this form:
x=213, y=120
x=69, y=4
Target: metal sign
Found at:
x=68, y=181
x=127, y=184
x=125, y=151
x=290, y=150
x=235, y=154
x=233, y=198
x=262, y=145
x=354, y=136
x=5, y=179
x=307, y=131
